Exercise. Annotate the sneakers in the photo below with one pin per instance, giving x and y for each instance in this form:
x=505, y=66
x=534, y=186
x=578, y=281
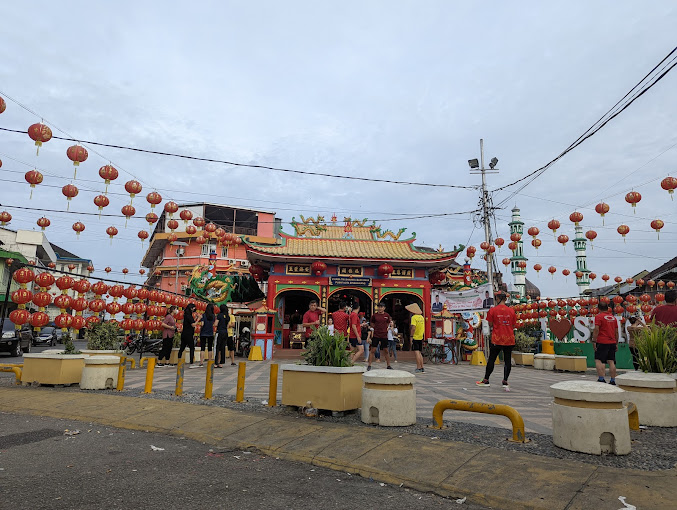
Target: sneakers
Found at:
x=368, y=368
x=483, y=383
x=601, y=379
x=232, y=364
x=389, y=367
x=417, y=370
x=159, y=364
x=192, y=366
x=612, y=382
x=506, y=386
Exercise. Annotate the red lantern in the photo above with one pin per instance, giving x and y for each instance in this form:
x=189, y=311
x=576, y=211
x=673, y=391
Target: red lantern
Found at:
x=77, y=154
x=78, y=227
x=633, y=199
x=651, y=283
x=592, y=276
x=101, y=201
x=657, y=225
x=40, y=134
x=566, y=272
x=71, y=267
x=210, y=228
x=201, y=240
x=116, y=291
x=533, y=232
x=113, y=308
x=79, y=305
x=62, y=301
x=128, y=211
x=3, y=105
x=661, y=284
x=385, y=270
x=186, y=215
x=618, y=279
x=22, y=296
x=605, y=277
x=108, y=269
x=218, y=233
x=617, y=299
x=199, y=222
x=671, y=285
x=69, y=191
x=23, y=276
x=91, y=321
x=499, y=241
x=618, y=310
x=64, y=283
x=640, y=282
x=5, y=218
x=142, y=272
x=552, y=270
x=9, y=262
x=44, y=280
x=512, y=246
x=39, y=320
x=33, y=177
x=318, y=267
x=97, y=305
x=125, y=271
x=108, y=173
x=153, y=198
x=660, y=297
x=112, y=232
x=563, y=239
x=65, y=321
x=669, y=184
x=579, y=275
x=629, y=281
x=19, y=317
x=172, y=238
x=515, y=237
x=172, y=225
x=561, y=303
x=99, y=288
x=522, y=264
x=553, y=225
x=623, y=230
x=171, y=208
x=133, y=188
x=484, y=245
x=142, y=293
x=536, y=243
x=255, y=270
x=591, y=235
x=506, y=262
x=43, y=223
x=576, y=218
x=537, y=267
x=190, y=230
x=602, y=209
x=470, y=252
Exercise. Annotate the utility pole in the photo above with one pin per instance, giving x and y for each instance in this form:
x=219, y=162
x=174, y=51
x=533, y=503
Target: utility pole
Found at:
x=478, y=167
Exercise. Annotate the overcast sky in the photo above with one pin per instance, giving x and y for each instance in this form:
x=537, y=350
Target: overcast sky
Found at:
x=397, y=90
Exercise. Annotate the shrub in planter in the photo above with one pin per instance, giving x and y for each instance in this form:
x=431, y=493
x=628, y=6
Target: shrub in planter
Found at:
x=327, y=350
x=68, y=345
x=656, y=349
x=103, y=336
x=524, y=342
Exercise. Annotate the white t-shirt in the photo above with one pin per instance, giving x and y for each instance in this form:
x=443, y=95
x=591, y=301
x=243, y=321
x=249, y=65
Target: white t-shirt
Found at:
x=331, y=329
x=391, y=333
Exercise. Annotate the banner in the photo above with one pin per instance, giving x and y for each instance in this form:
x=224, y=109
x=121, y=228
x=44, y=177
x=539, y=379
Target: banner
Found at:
x=467, y=300
x=350, y=281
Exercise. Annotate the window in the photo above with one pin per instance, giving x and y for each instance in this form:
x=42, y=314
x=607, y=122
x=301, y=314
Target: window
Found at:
x=224, y=252
x=207, y=248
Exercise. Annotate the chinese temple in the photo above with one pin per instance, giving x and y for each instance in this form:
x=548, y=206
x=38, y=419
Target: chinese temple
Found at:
x=350, y=261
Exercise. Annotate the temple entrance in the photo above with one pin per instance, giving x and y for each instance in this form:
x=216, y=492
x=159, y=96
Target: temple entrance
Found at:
x=395, y=306
x=291, y=305
x=350, y=296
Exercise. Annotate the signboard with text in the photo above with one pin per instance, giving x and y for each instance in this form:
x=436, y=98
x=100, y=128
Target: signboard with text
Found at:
x=347, y=281
x=472, y=299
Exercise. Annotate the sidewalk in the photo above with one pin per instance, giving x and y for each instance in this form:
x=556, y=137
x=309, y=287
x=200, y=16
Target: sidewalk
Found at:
x=488, y=476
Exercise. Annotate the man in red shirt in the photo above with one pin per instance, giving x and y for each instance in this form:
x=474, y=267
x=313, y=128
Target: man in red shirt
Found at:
x=355, y=335
x=380, y=322
x=311, y=319
x=341, y=318
x=666, y=315
x=605, y=342
x=503, y=321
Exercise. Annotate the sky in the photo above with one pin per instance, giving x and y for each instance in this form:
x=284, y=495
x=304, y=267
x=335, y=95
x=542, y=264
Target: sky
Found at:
x=388, y=90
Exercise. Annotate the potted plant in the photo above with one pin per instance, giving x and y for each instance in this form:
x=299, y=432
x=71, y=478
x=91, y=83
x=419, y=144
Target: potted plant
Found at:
x=103, y=339
x=524, y=345
x=62, y=367
x=327, y=379
x=571, y=358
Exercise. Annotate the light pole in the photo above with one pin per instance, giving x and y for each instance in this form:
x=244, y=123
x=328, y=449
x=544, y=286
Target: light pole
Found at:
x=180, y=252
x=478, y=167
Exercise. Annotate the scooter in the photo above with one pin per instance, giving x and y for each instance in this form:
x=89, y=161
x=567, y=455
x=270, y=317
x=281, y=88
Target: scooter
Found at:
x=142, y=344
x=243, y=344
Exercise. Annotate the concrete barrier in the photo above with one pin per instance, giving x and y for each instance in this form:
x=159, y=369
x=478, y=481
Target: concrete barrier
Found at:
x=544, y=361
x=655, y=396
x=389, y=398
x=100, y=373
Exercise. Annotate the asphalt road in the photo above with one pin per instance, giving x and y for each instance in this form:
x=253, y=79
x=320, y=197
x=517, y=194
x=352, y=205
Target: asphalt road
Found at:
x=6, y=358
x=42, y=467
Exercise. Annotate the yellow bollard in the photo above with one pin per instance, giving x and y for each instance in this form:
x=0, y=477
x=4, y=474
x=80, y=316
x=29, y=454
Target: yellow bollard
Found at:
x=121, y=373
x=633, y=416
x=255, y=353
x=239, y=396
x=478, y=358
x=131, y=361
x=11, y=367
x=209, y=383
x=272, y=392
x=150, y=371
x=548, y=347
x=179, y=377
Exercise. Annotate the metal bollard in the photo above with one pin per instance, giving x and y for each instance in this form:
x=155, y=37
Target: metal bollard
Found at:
x=131, y=361
x=150, y=371
x=179, y=377
x=239, y=396
x=11, y=367
x=633, y=416
x=272, y=392
x=209, y=383
x=121, y=373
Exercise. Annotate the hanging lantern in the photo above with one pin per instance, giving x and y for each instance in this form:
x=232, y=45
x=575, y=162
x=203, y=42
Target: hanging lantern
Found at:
x=536, y=243
x=623, y=230
x=82, y=286
x=69, y=191
x=125, y=271
x=97, y=305
x=172, y=225
x=71, y=267
x=113, y=308
x=552, y=270
x=605, y=277
x=591, y=235
x=3, y=105
x=171, y=208
x=199, y=222
x=318, y=267
x=191, y=230
x=538, y=267
x=579, y=275
x=151, y=218
x=385, y=270
x=133, y=188
x=256, y=271
x=39, y=320
x=506, y=262
x=436, y=277
x=499, y=241
x=515, y=237
x=512, y=246
x=108, y=173
x=657, y=225
x=522, y=264
x=602, y=209
x=44, y=280
x=640, y=282
x=660, y=297
x=99, y=288
x=172, y=238
x=108, y=270
x=112, y=232
x=9, y=262
x=201, y=240
x=533, y=232
x=39, y=133
x=651, y=283
x=143, y=235
x=43, y=223
x=470, y=252
x=5, y=218
x=33, y=177
x=142, y=272
x=618, y=279
x=51, y=265
x=219, y=232
x=661, y=284
x=42, y=299
x=210, y=228
x=186, y=215
x=153, y=198
x=484, y=245
x=553, y=225
x=128, y=211
x=101, y=201
x=563, y=239
x=629, y=281
x=633, y=199
x=77, y=154
x=671, y=285
x=21, y=296
x=669, y=184
x=576, y=218
x=566, y=272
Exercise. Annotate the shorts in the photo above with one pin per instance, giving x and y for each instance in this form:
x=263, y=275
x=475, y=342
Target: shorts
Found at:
x=354, y=342
x=230, y=343
x=207, y=343
x=606, y=352
x=417, y=345
x=383, y=342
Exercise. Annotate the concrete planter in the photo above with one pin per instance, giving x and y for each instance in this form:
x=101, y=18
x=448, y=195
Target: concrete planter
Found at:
x=544, y=361
x=523, y=358
x=91, y=352
x=174, y=356
x=655, y=396
x=330, y=388
x=52, y=368
x=100, y=373
x=571, y=363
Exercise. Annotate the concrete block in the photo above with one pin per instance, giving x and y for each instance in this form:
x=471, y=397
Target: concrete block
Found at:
x=544, y=361
x=389, y=398
x=100, y=373
x=655, y=396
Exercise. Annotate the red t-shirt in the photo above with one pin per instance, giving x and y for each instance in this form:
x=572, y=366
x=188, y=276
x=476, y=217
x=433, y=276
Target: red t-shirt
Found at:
x=607, y=328
x=380, y=322
x=354, y=321
x=665, y=315
x=311, y=316
x=504, y=321
x=341, y=319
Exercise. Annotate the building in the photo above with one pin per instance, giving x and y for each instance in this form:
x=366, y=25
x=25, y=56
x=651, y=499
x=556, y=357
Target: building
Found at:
x=581, y=261
x=519, y=273
x=350, y=261
x=171, y=264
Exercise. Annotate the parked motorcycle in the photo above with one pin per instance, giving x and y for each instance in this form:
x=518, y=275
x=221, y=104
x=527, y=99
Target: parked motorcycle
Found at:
x=243, y=344
x=142, y=344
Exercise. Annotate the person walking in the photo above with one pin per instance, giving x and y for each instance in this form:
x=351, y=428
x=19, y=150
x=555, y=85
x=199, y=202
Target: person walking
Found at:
x=502, y=322
x=311, y=319
x=207, y=334
x=392, y=340
x=188, y=332
x=380, y=322
x=222, y=322
x=366, y=335
x=666, y=315
x=355, y=335
x=416, y=332
x=341, y=318
x=605, y=343
x=168, y=330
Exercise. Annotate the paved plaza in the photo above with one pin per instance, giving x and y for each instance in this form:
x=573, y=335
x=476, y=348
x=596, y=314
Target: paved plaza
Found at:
x=529, y=388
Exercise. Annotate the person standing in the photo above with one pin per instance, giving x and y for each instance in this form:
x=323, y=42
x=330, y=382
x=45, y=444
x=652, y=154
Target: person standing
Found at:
x=207, y=334
x=355, y=336
x=311, y=319
x=502, y=321
x=330, y=325
x=187, y=333
x=634, y=330
x=417, y=332
x=222, y=322
x=168, y=330
x=605, y=343
x=230, y=342
x=392, y=340
x=666, y=315
x=380, y=322
x=341, y=318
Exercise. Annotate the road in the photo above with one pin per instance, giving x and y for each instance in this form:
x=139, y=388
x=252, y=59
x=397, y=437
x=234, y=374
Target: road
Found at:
x=41, y=467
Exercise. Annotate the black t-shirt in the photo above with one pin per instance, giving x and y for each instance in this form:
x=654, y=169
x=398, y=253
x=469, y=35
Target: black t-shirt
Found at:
x=223, y=319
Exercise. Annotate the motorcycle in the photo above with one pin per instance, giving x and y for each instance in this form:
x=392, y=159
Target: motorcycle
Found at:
x=142, y=344
x=243, y=344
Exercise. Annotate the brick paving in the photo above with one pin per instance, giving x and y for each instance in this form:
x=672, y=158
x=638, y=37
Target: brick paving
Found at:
x=529, y=388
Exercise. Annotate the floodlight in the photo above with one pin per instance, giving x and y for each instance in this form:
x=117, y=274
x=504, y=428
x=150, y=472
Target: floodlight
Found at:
x=493, y=162
x=474, y=163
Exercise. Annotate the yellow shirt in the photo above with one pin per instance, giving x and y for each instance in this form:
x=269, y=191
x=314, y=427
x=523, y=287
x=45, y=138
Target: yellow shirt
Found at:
x=231, y=325
x=419, y=324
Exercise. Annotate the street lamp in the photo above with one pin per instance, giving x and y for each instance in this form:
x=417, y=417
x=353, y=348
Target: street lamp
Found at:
x=180, y=252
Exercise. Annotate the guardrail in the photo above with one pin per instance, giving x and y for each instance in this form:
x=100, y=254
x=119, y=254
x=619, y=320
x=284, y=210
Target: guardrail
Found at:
x=122, y=370
x=633, y=416
x=13, y=367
